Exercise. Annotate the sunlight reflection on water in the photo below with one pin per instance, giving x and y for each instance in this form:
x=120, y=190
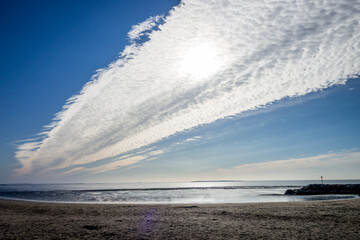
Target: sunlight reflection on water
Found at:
x=164, y=193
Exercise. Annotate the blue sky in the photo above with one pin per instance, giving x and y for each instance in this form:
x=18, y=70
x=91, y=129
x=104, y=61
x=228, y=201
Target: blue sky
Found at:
x=153, y=123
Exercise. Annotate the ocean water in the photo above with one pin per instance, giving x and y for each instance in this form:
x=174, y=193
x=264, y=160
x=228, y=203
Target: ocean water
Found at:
x=165, y=193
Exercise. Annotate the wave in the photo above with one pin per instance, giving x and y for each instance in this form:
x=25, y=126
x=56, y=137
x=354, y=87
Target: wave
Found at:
x=155, y=189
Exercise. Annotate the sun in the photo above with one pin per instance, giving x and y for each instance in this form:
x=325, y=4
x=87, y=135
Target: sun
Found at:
x=200, y=61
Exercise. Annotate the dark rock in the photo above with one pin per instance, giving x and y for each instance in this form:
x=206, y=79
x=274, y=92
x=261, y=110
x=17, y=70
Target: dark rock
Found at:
x=317, y=189
x=291, y=192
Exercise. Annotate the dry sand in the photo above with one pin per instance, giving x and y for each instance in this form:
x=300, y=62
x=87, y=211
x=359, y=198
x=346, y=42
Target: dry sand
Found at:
x=293, y=220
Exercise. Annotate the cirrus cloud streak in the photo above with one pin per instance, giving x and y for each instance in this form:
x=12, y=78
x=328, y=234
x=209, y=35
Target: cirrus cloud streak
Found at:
x=268, y=50
x=332, y=165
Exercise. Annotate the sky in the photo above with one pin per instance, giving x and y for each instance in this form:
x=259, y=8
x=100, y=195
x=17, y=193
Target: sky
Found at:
x=133, y=91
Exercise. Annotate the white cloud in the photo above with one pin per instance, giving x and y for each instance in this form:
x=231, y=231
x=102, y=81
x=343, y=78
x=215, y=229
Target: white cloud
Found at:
x=140, y=30
x=267, y=50
x=77, y=169
x=157, y=152
x=340, y=165
x=116, y=164
x=192, y=139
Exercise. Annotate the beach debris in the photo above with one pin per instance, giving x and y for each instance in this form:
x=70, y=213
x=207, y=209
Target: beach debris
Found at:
x=192, y=206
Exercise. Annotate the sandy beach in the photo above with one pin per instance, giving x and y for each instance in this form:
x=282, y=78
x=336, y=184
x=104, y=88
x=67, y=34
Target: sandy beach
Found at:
x=292, y=220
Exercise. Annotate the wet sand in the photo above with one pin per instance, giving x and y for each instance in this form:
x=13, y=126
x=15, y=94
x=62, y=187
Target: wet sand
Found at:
x=293, y=220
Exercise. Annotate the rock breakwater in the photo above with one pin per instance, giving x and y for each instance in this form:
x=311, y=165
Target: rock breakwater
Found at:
x=317, y=189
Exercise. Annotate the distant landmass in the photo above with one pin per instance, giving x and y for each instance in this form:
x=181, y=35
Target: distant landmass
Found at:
x=220, y=181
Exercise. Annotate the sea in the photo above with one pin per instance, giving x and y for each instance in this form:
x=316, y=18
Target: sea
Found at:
x=204, y=192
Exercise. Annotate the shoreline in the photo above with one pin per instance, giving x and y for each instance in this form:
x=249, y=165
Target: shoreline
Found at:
x=333, y=219
x=354, y=197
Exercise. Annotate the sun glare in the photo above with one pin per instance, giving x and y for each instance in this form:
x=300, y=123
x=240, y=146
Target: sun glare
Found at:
x=200, y=61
